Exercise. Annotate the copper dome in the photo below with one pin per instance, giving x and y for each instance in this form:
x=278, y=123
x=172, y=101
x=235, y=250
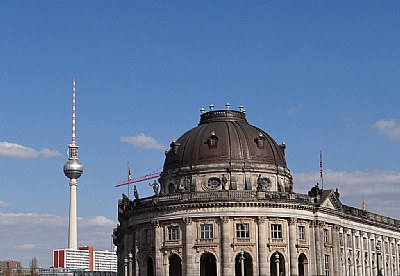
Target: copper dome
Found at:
x=224, y=136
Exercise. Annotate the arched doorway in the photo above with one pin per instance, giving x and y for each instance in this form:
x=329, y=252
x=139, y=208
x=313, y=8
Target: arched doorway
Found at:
x=208, y=265
x=248, y=264
x=175, y=265
x=303, y=265
x=150, y=267
x=276, y=260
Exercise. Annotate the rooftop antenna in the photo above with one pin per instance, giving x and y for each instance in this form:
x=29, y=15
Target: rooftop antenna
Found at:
x=321, y=175
x=129, y=179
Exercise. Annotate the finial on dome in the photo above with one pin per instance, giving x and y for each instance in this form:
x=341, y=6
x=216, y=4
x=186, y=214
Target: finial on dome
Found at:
x=211, y=107
x=241, y=108
x=202, y=111
x=228, y=106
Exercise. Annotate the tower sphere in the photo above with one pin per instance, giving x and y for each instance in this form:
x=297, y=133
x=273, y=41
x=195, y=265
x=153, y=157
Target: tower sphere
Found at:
x=73, y=169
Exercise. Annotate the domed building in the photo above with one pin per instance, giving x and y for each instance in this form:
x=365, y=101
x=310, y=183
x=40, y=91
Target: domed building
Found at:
x=226, y=206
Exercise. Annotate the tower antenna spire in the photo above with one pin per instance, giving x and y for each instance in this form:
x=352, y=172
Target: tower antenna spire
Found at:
x=73, y=110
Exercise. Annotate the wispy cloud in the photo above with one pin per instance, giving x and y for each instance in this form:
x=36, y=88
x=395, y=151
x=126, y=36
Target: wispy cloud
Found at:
x=142, y=141
x=23, y=234
x=388, y=128
x=294, y=110
x=379, y=189
x=3, y=204
x=27, y=246
x=14, y=150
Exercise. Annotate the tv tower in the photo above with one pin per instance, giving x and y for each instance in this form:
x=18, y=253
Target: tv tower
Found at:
x=73, y=169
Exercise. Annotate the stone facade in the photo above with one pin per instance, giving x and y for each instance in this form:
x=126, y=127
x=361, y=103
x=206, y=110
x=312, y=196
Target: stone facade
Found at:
x=226, y=217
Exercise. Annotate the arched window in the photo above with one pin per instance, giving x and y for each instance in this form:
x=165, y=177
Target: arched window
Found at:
x=150, y=267
x=277, y=261
x=175, y=265
x=303, y=265
x=243, y=262
x=171, y=188
x=208, y=265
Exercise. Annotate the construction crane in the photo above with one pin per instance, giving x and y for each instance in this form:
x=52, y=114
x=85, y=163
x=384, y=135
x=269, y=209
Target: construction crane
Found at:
x=139, y=179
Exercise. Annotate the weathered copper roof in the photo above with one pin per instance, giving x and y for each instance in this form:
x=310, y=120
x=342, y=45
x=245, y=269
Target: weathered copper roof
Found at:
x=224, y=136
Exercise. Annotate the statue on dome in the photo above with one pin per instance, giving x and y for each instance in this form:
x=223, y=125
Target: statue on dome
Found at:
x=337, y=193
x=155, y=187
x=135, y=192
x=224, y=181
x=315, y=191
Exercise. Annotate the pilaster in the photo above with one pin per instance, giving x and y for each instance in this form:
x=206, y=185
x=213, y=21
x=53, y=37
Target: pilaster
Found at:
x=292, y=247
x=188, y=258
x=158, y=258
x=227, y=267
x=262, y=247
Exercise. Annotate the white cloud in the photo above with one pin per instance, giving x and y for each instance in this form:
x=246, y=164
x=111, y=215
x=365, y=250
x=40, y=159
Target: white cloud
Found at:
x=27, y=246
x=27, y=235
x=19, y=151
x=388, y=128
x=379, y=189
x=3, y=204
x=292, y=111
x=99, y=221
x=142, y=141
x=49, y=153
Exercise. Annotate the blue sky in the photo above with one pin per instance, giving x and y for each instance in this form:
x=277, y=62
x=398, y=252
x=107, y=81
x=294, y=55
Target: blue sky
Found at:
x=320, y=75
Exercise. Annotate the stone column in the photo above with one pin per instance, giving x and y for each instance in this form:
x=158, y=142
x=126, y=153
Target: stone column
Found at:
x=371, y=257
x=319, y=247
x=362, y=249
x=336, y=249
x=227, y=266
x=188, y=256
x=396, y=253
x=158, y=258
x=262, y=247
x=293, y=263
x=354, y=251
x=313, y=250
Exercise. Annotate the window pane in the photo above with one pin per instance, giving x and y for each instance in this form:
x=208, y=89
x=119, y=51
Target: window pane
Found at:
x=173, y=233
x=276, y=231
x=242, y=230
x=301, y=230
x=206, y=231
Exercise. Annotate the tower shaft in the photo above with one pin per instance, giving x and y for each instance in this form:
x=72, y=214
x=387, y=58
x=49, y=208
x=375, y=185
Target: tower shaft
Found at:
x=72, y=229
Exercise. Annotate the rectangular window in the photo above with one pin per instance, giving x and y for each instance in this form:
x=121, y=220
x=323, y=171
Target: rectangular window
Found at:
x=242, y=230
x=301, y=231
x=349, y=241
x=341, y=239
x=276, y=231
x=357, y=242
x=206, y=231
x=326, y=236
x=372, y=245
x=147, y=236
x=326, y=265
x=365, y=246
x=173, y=233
